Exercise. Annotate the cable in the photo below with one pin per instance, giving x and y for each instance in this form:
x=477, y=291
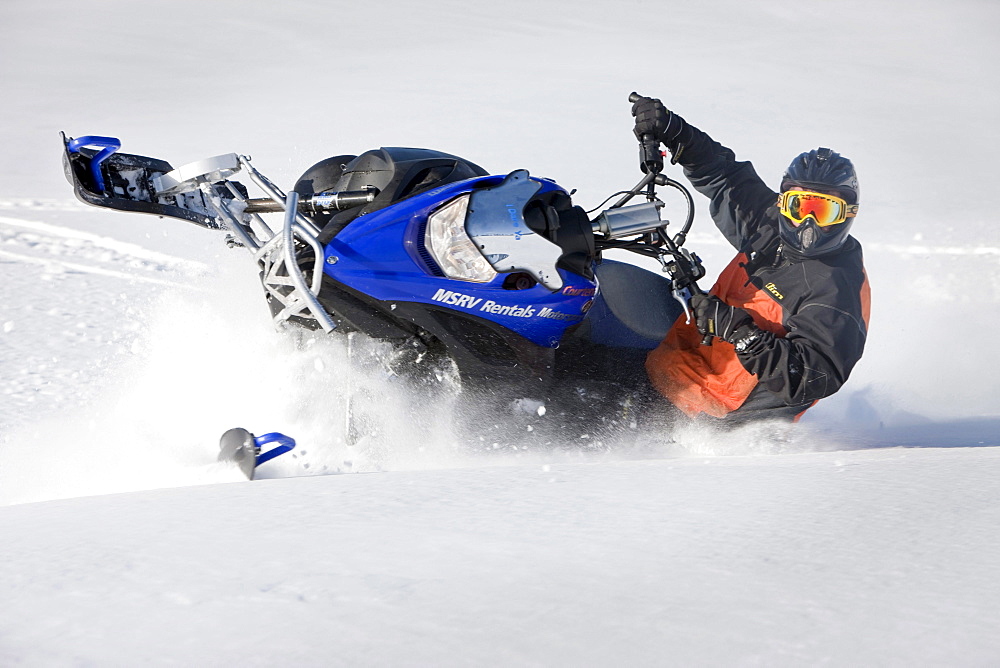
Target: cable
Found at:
x=620, y=192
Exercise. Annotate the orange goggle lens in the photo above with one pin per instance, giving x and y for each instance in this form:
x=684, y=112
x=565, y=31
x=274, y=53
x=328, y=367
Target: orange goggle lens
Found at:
x=797, y=205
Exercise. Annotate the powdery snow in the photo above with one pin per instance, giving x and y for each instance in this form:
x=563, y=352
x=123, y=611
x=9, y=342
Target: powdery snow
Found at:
x=865, y=535
x=869, y=558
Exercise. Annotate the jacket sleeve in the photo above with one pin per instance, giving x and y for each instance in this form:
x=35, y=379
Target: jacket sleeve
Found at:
x=739, y=198
x=825, y=340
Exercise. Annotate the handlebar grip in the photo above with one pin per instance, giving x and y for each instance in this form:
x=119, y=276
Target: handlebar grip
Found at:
x=651, y=160
x=706, y=340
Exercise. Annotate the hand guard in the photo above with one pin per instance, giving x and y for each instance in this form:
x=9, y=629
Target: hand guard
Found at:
x=717, y=318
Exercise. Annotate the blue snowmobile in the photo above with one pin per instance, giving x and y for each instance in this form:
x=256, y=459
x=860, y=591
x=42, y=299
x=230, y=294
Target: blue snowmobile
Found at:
x=500, y=275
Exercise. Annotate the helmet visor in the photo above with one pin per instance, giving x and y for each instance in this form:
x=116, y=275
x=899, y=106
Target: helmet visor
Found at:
x=798, y=205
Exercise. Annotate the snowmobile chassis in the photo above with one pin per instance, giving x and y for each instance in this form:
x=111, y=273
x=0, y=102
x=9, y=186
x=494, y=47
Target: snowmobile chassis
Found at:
x=292, y=258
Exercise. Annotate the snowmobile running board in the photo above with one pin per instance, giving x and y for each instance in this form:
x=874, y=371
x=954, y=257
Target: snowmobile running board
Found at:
x=202, y=193
x=240, y=446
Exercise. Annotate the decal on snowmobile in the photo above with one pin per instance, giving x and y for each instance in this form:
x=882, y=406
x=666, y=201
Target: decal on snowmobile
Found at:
x=456, y=299
x=514, y=310
x=494, y=308
x=574, y=291
x=557, y=315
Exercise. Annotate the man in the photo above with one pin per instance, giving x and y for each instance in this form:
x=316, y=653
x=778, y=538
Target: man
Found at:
x=788, y=317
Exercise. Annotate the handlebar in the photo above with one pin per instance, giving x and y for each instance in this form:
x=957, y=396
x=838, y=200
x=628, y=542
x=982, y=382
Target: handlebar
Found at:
x=685, y=268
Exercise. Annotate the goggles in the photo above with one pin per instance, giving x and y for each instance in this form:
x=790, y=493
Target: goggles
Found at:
x=826, y=210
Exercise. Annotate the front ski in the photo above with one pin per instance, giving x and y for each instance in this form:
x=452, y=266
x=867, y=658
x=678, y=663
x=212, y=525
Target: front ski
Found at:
x=247, y=451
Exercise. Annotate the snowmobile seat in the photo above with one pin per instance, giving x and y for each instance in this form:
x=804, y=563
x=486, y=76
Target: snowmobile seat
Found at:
x=634, y=307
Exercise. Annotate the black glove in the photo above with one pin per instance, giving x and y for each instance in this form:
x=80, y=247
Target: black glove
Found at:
x=651, y=118
x=716, y=317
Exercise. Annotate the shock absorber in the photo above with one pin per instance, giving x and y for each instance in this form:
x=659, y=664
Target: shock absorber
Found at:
x=319, y=203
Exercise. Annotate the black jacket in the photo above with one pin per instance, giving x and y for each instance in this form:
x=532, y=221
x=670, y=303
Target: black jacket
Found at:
x=824, y=301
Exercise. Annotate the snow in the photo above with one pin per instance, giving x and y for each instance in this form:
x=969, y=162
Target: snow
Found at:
x=871, y=558
x=865, y=535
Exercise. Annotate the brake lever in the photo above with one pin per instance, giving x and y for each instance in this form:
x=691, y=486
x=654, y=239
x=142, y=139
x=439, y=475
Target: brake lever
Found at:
x=683, y=296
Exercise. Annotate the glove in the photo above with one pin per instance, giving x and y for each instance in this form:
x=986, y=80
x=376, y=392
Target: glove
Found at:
x=651, y=118
x=716, y=317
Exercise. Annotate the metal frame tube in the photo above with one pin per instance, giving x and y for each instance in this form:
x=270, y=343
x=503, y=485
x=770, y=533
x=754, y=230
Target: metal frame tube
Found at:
x=275, y=193
x=292, y=266
x=270, y=249
x=235, y=226
x=263, y=226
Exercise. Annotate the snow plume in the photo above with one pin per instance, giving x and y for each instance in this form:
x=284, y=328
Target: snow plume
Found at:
x=206, y=358
x=203, y=357
x=139, y=372
x=760, y=438
x=205, y=361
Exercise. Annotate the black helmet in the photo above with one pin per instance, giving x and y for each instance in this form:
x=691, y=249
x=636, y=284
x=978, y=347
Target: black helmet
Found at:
x=826, y=171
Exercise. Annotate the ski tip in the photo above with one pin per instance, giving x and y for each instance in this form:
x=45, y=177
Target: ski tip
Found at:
x=248, y=452
x=239, y=447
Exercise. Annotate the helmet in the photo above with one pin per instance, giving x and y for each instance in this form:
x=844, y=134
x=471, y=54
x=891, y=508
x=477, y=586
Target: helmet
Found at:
x=826, y=171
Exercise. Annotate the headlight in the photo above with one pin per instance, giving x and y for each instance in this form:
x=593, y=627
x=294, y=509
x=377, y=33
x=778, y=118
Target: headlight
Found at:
x=451, y=247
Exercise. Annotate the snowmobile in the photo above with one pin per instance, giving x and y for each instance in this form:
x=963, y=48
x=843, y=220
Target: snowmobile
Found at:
x=501, y=275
